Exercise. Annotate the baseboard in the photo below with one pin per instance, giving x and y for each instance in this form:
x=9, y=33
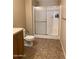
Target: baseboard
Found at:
x=47, y=36
x=63, y=48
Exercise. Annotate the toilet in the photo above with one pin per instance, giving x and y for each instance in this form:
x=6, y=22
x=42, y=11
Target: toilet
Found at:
x=28, y=40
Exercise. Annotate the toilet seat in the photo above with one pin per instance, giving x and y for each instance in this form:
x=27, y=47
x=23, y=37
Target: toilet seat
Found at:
x=29, y=38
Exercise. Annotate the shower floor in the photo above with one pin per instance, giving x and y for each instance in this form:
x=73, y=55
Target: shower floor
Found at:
x=44, y=49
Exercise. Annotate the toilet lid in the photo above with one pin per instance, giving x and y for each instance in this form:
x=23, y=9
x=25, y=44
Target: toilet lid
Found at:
x=29, y=37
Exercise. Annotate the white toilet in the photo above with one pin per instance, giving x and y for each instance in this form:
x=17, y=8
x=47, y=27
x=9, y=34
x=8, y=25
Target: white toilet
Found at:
x=28, y=40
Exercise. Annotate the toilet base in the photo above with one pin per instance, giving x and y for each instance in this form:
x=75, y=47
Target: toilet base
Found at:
x=28, y=43
x=28, y=40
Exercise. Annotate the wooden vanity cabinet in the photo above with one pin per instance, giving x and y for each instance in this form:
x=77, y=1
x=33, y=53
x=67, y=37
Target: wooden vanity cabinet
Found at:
x=18, y=45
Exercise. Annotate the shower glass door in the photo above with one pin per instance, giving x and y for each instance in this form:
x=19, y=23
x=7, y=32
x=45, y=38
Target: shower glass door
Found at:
x=45, y=22
x=40, y=20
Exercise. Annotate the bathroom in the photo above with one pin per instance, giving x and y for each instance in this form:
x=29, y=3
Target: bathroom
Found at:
x=43, y=21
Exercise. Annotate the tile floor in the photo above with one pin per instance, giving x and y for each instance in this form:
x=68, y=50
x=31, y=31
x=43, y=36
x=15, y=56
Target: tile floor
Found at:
x=44, y=49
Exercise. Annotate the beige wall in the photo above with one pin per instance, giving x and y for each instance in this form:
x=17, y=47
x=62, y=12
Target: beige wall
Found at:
x=63, y=25
x=63, y=8
x=19, y=13
x=63, y=34
x=28, y=6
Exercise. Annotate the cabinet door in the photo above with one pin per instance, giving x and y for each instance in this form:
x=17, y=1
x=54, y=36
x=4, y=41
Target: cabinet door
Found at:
x=15, y=48
x=20, y=44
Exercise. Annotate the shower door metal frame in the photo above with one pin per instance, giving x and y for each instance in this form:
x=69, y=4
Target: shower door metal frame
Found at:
x=40, y=21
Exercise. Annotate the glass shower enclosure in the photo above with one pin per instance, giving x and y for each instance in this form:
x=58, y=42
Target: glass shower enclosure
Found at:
x=46, y=20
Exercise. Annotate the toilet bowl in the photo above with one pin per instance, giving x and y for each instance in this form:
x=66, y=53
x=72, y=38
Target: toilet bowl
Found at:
x=28, y=40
